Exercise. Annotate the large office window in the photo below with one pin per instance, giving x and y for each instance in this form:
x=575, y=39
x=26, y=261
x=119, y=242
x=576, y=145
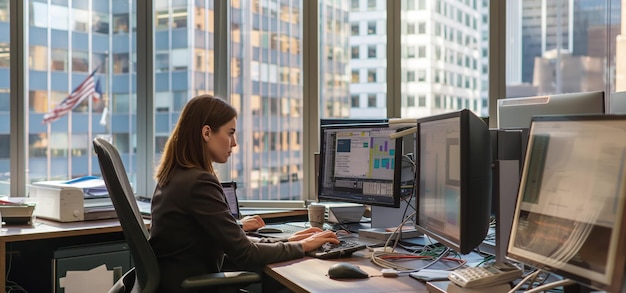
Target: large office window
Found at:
x=337, y=86
x=572, y=48
x=266, y=86
x=5, y=119
x=78, y=57
x=564, y=46
x=471, y=39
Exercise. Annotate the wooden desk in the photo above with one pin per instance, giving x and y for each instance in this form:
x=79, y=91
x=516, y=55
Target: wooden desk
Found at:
x=42, y=229
x=309, y=275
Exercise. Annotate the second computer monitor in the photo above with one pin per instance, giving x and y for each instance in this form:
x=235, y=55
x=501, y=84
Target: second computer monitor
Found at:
x=359, y=163
x=454, y=179
x=570, y=212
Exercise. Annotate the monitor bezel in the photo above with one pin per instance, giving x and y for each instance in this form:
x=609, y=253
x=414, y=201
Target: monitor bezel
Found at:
x=617, y=283
x=474, y=135
x=395, y=203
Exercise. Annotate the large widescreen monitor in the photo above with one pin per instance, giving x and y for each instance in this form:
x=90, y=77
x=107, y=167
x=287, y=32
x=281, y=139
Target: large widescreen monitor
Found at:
x=360, y=163
x=454, y=179
x=569, y=217
x=517, y=112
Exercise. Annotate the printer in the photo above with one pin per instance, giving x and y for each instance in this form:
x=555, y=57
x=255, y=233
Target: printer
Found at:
x=72, y=201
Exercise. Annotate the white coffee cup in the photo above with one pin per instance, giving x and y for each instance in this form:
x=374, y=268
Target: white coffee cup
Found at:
x=316, y=215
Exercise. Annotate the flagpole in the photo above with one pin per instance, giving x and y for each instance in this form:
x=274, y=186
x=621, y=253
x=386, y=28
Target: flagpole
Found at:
x=105, y=98
x=89, y=133
x=69, y=144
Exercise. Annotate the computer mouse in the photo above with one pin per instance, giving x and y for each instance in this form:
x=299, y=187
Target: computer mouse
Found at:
x=269, y=230
x=345, y=270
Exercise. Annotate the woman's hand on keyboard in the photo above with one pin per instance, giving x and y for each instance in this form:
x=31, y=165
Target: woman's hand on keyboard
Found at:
x=316, y=240
x=304, y=233
x=251, y=223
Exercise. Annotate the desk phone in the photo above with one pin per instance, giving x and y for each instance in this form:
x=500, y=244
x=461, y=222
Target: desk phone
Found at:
x=488, y=275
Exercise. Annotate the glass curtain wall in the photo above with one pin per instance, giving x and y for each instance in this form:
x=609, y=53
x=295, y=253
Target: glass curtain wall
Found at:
x=266, y=83
x=564, y=46
x=353, y=59
x=444, y=50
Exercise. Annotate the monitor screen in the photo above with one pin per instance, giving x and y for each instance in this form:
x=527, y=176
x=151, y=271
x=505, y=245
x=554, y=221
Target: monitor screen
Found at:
x=569, y=216
x=359, y=163
x=517, y=112
x=230, y=192
x=454, y=179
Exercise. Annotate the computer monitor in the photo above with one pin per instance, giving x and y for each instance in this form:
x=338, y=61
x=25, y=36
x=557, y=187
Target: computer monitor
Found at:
x=360, y=163
x=569, y=217
x=517, y=112
x=454, y=179
x=617, y=103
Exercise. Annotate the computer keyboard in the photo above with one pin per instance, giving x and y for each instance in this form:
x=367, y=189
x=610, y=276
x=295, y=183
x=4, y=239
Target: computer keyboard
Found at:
x=345, y=248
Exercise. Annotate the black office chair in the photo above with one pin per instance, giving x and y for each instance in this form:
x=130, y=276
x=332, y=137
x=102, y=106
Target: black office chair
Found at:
x=144, y=277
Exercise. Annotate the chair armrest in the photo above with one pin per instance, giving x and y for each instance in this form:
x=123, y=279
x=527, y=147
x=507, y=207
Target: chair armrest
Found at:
x=221, y=279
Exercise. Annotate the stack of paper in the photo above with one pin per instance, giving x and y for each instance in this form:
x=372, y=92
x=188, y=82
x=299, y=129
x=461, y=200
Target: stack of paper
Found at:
x=96, y=280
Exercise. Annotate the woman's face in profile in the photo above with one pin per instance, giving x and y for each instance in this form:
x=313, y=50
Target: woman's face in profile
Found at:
x=221, y=142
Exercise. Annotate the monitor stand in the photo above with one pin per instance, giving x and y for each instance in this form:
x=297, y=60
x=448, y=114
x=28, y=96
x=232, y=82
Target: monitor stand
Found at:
x=384, y=219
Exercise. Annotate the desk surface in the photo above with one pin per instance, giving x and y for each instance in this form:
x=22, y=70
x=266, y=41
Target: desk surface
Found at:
x=309, y=275
x=44, y=229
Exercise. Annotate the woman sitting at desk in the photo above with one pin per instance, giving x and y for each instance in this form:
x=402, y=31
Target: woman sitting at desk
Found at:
x=192, y=228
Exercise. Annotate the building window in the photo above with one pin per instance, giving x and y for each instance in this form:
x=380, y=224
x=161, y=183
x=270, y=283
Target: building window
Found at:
x=410, y=76
x=355, y=76
x=410, y=4
x=421, y=27
x=355, y=100
x=421, y=52
x=410, y=28
x=410, y=52
x=421, y=75
x=371, y=27
x=421, y=4
x=371, y=51
x=421, y=101
x=371, y=101
x=355, y=5
x=120, y=23
x=59, y=60
x=371, y=4
x=371, y=75
x=355, y=52
x=410, y=101
x=355, y=29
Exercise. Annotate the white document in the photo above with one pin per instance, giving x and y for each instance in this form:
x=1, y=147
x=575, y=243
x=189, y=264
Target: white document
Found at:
x=96, y=280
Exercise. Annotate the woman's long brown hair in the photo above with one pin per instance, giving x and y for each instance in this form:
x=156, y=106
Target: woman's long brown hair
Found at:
x=185, y=147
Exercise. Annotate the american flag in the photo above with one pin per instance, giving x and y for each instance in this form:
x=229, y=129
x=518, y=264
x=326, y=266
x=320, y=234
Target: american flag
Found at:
x=90, y=87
